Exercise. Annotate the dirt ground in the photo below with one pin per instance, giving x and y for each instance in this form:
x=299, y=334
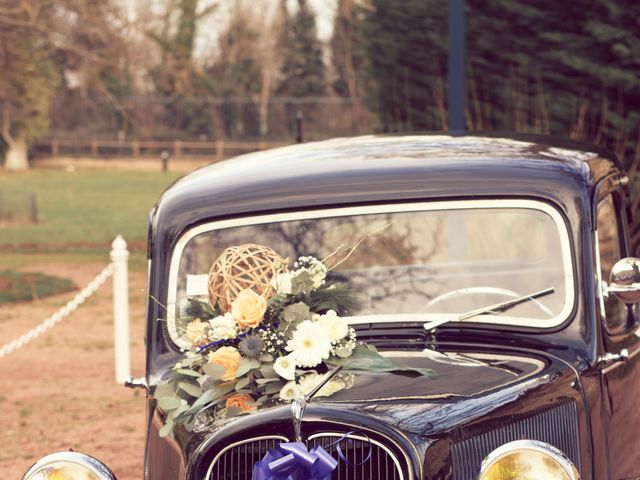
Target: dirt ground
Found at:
x=59, y=392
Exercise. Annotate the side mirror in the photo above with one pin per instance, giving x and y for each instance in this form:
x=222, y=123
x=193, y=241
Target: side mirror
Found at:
x=624, y=280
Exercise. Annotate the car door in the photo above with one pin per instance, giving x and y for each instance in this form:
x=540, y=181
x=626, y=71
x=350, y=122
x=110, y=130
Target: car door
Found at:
x=620, y=359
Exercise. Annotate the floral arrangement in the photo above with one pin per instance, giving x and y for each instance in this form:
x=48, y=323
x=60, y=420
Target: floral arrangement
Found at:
x=265, y=348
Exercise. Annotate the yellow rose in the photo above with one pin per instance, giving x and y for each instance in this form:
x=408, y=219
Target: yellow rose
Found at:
x=241, y=401
x=196, y=332
x=248, y=309
x=229, y=359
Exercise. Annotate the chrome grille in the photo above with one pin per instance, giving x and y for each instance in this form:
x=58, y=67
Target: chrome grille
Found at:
x=236, y=461
x=381, y=465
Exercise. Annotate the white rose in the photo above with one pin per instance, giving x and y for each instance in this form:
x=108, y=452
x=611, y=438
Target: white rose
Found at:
x=286, y=367
x=336, y=327
x=223, y=327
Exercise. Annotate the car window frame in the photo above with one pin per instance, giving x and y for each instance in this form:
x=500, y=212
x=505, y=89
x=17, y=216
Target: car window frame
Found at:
x=563, y=229
x=622, y=227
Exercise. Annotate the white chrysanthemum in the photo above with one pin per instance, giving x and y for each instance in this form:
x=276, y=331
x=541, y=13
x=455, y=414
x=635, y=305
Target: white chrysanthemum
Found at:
x=223, y=327
x=331, y=387
x=308, y=382
x=310, y=344
x=336, y=327
x=290, y=391
x=286, y=367
x=282, y=283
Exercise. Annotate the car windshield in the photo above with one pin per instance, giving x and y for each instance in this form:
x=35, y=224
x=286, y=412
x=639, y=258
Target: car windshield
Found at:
x=415, y=262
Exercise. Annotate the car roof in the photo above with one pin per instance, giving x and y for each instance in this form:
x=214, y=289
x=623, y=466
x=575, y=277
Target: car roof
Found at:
x=384, y=168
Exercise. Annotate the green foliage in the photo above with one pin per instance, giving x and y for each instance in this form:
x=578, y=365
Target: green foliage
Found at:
x=366, y=358
x=303, y=72
x=569, y=69
x=337, y=296
x=27, y=83
x=27, y=286
x=406, y=45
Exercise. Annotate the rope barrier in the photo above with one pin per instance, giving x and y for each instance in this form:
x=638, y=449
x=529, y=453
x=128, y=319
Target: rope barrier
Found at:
x=71, y=305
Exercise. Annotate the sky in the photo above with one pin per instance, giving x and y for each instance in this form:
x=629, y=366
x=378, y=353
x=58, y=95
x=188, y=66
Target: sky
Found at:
x=212, y=24
x=210, y=27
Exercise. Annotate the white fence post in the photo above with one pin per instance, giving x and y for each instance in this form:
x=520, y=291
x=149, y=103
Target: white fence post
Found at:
x=119, y=258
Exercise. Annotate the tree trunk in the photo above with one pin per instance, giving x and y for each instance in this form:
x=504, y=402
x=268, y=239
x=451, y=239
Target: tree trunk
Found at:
x=16, y=157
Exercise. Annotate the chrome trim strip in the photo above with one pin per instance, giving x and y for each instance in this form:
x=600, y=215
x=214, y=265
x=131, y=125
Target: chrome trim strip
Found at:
x=241, y=442
x=531, y=445
x=622, y=361
x=374, y=442
x=564, y=235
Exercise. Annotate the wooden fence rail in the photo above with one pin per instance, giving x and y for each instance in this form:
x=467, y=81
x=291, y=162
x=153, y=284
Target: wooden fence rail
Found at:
x=145, y=148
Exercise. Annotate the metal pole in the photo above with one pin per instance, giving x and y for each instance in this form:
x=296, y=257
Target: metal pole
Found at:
x=164, y=158
x=119, y=258
x=299, y=132
x=456, y=67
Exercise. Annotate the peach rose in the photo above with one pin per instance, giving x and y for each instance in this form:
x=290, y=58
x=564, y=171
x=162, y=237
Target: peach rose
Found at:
x=241, y=401
x=248, y=309
x=196, y=332
x=229, y=359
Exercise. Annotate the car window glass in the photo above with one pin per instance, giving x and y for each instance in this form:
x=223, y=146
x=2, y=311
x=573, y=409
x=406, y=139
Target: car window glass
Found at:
x=420, y=263
x=609, y=243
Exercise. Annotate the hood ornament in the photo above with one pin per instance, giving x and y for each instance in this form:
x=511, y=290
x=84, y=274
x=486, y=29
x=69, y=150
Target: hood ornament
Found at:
x=300, y=403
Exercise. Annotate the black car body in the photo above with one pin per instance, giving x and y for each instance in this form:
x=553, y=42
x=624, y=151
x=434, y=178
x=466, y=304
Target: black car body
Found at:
x=572, y=385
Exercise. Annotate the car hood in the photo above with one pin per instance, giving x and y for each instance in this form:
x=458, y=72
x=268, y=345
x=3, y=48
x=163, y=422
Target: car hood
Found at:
x=467, y=384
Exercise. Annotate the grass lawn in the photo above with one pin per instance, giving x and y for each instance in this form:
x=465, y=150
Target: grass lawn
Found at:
x=80, y=213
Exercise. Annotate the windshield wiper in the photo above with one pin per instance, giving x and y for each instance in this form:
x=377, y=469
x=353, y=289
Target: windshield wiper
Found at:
x=495, y=308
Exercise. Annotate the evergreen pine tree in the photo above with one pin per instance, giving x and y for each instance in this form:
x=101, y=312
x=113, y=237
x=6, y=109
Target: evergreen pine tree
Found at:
x=406, y=48
x=303, y=70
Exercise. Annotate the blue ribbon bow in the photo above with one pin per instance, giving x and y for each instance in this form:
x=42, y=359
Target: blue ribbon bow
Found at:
x=292, y=461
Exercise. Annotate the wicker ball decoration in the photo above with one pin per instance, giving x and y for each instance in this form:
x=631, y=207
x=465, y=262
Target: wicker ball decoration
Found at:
x=240, y=267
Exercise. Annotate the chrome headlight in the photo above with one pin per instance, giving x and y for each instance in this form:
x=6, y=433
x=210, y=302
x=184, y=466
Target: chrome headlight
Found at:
x=69, y=466
x=527, y=460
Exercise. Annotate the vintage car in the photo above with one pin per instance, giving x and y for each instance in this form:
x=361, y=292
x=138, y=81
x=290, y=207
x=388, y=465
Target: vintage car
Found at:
x=502, y=264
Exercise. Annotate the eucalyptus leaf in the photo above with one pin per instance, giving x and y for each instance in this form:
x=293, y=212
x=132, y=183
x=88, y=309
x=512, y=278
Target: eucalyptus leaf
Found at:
x=233, y=412
x=191, y=389
x=273, y=387
x=164, y=390
x=214, y=370
x=168, y=403
x=189, y=373
x=364, y=358
x=267, y=371
x=241, y=383
x=266, y=358
x=301, y=282
x=167, y=429
x=262, y=381
x=179, y=411
x=190, y=361
x=246, y=364
x=296, y=312
x=207, y=396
